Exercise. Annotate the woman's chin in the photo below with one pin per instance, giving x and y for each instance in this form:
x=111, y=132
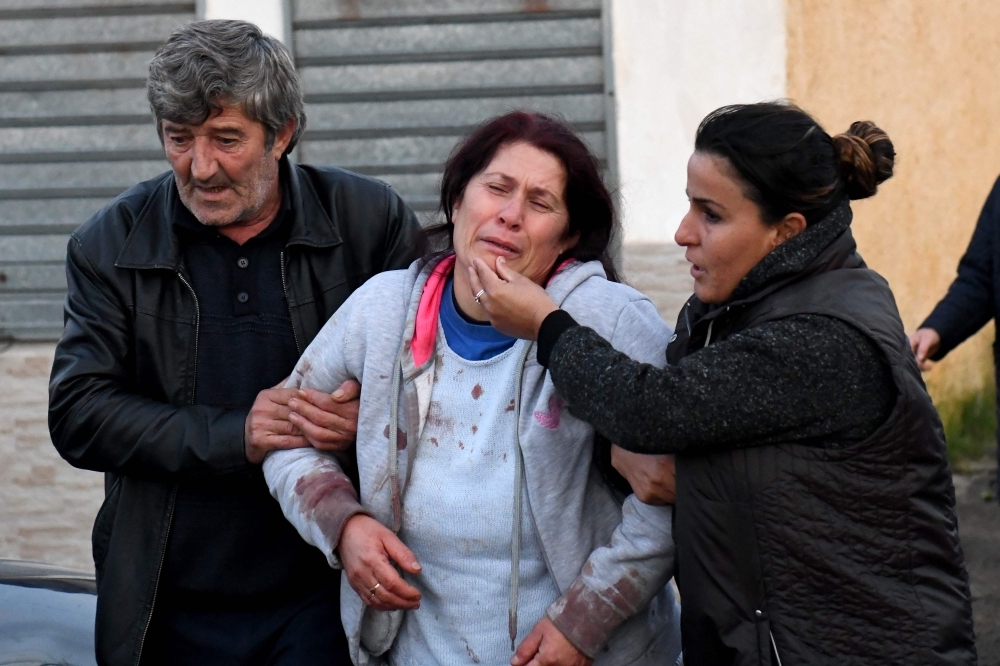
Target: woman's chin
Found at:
x=490, y=257
x=706, y=294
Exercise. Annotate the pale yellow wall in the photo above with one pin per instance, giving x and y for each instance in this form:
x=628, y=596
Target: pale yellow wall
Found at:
x=928, y=73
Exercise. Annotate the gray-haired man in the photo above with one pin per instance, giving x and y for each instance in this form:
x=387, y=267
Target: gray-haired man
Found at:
x=190, y=296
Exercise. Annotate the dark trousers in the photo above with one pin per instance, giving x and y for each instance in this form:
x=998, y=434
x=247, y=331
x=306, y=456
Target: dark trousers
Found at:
x=196, y=630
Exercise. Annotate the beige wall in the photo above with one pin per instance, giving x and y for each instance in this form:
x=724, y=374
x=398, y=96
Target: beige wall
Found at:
x=47, y=508
x=674, y=62
x=926, y=71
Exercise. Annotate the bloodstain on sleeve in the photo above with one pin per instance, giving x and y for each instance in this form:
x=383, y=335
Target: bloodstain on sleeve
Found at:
x=588, y=617
x=327, y=498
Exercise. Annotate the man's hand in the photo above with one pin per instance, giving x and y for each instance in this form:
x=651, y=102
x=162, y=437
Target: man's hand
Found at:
x=653, y=478
x=267, y=427
x=925, y=343
x=546, y=646
x=328, y=422
x=367, y=550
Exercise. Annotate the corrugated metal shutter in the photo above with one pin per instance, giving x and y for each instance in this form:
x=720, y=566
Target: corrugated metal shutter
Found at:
x=75, y=130
x=391, y=85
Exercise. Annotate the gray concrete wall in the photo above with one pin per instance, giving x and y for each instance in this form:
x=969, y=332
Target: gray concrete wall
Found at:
x=47, y=508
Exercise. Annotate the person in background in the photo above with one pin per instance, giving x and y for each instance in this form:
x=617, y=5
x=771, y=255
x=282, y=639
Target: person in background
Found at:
x=972, y=300
x=815, y=519
x=474, y=481
x=190, y=296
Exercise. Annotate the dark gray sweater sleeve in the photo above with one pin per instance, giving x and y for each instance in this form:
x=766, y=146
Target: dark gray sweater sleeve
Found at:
x=804, y=378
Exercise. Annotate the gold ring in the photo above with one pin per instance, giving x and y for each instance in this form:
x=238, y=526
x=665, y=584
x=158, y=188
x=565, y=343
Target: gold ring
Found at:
x=377, y=585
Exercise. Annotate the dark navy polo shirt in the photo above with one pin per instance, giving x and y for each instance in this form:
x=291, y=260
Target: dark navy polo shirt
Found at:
x=228, y=535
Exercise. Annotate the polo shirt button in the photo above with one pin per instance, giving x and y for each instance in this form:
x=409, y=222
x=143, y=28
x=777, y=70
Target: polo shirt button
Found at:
x=243, y=297
x=242, y=262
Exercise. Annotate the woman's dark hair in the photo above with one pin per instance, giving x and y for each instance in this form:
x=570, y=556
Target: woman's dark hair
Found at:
x=588, y=202
x=789, y=164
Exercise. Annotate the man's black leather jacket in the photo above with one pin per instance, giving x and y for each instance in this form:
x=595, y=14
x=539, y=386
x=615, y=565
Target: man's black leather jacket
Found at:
x=123, y=381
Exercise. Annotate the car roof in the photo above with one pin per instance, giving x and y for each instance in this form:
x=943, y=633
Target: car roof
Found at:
x=39, y=574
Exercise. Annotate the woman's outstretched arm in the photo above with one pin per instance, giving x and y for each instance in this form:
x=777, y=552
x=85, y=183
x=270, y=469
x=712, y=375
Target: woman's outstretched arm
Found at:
x=801, y=378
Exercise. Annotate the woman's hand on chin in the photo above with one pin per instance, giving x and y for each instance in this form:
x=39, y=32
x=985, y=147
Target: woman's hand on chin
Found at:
x=367, y=550
x=546, y=646
x=516, y=305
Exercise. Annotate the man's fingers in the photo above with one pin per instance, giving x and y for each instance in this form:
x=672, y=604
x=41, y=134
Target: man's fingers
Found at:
x=303, y=412
x=286, y=442
x=349, y=390
x=279, y=396
x=277, y=427
x=323, y=410
x=277, y=412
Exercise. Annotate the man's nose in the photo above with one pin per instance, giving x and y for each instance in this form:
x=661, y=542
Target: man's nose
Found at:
x=203, y=162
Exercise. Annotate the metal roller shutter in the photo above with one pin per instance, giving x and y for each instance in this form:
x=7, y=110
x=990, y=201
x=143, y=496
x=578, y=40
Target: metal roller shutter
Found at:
x=75, y=131
x=391, y=85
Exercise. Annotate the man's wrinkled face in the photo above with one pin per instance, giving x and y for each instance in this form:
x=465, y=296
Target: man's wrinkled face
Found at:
x=223, y=167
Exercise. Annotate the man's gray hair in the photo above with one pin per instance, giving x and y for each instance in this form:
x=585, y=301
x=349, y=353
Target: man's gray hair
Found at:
x=207, y=64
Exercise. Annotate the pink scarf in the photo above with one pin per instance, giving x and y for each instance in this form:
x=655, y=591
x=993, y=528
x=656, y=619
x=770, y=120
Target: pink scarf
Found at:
x=425, y=329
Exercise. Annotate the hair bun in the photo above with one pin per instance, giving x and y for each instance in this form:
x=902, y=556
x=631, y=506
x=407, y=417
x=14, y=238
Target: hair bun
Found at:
x=866, y=158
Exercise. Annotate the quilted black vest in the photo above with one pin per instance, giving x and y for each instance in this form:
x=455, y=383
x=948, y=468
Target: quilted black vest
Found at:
x=828, y=553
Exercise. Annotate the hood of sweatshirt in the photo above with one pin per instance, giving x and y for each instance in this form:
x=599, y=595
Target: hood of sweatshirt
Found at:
x=435, y=274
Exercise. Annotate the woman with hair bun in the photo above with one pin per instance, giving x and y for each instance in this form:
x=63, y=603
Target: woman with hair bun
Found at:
x=814, y=514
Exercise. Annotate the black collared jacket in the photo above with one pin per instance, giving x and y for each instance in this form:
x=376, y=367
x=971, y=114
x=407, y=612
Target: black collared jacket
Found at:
x=123, y=381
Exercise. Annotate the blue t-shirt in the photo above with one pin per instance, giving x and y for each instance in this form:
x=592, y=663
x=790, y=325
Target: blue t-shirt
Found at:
x=473, y=341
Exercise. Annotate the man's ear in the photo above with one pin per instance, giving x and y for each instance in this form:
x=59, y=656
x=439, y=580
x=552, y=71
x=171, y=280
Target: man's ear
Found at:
x=789, y=227
x=283, y=138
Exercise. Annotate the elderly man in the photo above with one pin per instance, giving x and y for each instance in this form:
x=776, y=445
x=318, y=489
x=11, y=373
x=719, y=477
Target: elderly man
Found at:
x=190, y=295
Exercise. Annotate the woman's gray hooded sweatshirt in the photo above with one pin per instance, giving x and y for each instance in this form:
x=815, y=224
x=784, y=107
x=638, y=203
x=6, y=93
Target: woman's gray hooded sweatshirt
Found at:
x=610, y=559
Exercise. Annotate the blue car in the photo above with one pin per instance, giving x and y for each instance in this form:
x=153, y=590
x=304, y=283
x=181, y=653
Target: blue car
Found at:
x=46, y=615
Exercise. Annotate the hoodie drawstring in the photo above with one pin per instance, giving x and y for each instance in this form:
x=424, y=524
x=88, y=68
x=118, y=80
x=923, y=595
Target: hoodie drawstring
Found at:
x=397, y=503
x=515, y=536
